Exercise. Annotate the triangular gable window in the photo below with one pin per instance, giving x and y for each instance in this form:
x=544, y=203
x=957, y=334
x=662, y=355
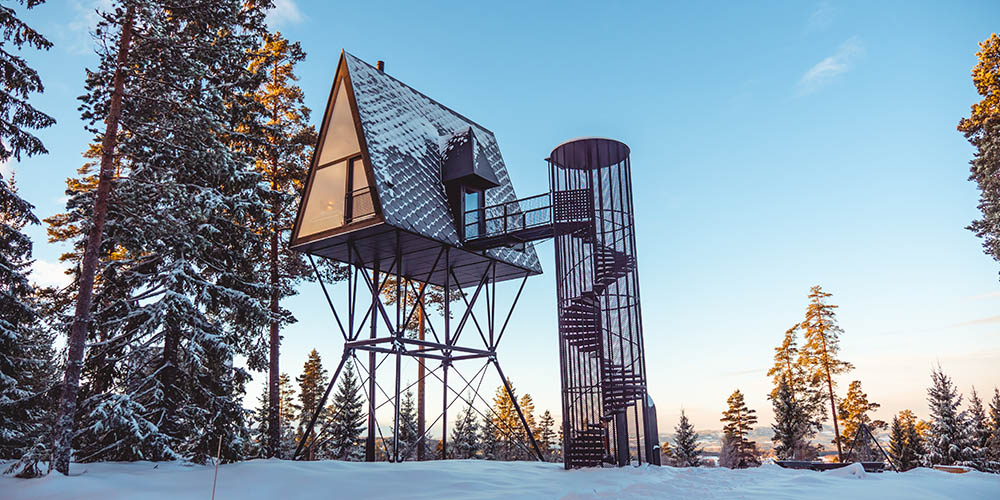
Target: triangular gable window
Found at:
x=339, y=192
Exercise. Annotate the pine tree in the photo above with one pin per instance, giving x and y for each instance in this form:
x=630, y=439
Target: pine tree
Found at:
x=948, y=443
x=286, y=412
x=547, y=436
x=993, y=443
x=729, y=452
x=686, y=453
x=978, y=432
x=17, y=115
x=348, y=418
x=897, y=442
x=905, y=444
x=175, y=247
x=792, y=426
x=805, y=395
x=490, y=444
x=739, y=422
x=26, y=359
x=465, y=437
x=507, y=424
x=281, y=158
x=853, y=411
x=819, y=355
x=312, y=385
x=526, y=450
x=982, y=129
x=407, y=428
x=25, y=349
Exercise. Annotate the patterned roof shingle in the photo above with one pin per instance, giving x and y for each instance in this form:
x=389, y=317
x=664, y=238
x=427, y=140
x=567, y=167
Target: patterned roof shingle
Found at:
x=406, y=132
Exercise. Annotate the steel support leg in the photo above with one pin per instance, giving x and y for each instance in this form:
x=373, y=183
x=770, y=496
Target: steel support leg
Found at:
x=370, y=441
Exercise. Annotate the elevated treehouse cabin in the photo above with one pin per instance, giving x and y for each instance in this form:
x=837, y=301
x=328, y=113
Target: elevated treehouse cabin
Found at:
x=402, y=185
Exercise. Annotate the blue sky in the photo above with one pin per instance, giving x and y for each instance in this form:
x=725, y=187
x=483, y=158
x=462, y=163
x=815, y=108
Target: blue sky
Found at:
x=774, y=146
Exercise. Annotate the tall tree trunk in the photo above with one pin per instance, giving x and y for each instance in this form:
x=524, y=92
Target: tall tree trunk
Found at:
x=833, y=404
x=66, y=418
x=169, y=380
x=273, y=389
x=420, y=384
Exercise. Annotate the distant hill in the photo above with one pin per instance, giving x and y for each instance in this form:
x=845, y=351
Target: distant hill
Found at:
x=711, y=439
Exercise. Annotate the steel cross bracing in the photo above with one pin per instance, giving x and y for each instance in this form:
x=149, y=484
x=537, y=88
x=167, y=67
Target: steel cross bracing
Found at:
x=387, y=339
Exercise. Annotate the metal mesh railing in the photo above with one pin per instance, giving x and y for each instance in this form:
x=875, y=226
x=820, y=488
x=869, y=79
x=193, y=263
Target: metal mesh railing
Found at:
x=362, y=205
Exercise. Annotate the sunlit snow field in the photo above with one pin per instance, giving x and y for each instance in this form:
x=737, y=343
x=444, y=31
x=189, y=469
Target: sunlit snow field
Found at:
x=275, y=480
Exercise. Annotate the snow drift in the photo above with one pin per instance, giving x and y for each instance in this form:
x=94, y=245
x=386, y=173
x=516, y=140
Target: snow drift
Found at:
x=476, y=479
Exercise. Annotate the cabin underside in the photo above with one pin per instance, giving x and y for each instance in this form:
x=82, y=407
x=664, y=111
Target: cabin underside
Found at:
x=423, y=259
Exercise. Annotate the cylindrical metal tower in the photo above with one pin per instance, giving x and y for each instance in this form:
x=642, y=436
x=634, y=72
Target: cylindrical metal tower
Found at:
x=600, y=325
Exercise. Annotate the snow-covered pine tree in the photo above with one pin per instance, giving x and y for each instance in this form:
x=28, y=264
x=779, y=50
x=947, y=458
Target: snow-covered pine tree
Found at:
x=853, y=411
x=547, y=436
x=819, y=354
x=978, y=433
x=178, y=245
x=25, y=349
x=792, y=426
x=464, y=441
x=312, y=385
x=993, y=444
x=17, y=115
x=982, y=130
x=948, y=440
x=27, y=357
x=347, y=421
x=686, y=452
x=739, y=422
x=490, y=446
x=407, y=428
x=286, y=411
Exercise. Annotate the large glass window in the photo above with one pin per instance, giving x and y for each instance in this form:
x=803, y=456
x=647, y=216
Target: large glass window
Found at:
x=325, y=203
x=341, y=139
x=339, y=192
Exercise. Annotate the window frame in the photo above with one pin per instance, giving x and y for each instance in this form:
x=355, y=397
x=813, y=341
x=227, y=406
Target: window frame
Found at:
x=480, y=211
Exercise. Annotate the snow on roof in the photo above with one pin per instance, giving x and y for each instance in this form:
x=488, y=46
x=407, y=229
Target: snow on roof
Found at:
x=404, y=131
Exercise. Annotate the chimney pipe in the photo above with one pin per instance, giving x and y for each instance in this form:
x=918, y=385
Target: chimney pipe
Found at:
x=380, y=66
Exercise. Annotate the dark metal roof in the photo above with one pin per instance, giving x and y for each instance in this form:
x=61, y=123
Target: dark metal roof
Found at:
x=406, y=133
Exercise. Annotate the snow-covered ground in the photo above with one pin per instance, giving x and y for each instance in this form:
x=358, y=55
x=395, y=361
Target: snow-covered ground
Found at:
x=276, y=480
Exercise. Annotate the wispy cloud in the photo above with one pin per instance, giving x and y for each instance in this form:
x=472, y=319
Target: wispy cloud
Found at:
x=5, y=170
x=284, y=13
x=46, y=273
x=821, y=18
x=829, y=68
x=981, y=321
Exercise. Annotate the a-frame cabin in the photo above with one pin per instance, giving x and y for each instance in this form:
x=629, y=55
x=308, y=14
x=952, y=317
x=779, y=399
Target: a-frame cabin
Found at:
x=394, y=168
